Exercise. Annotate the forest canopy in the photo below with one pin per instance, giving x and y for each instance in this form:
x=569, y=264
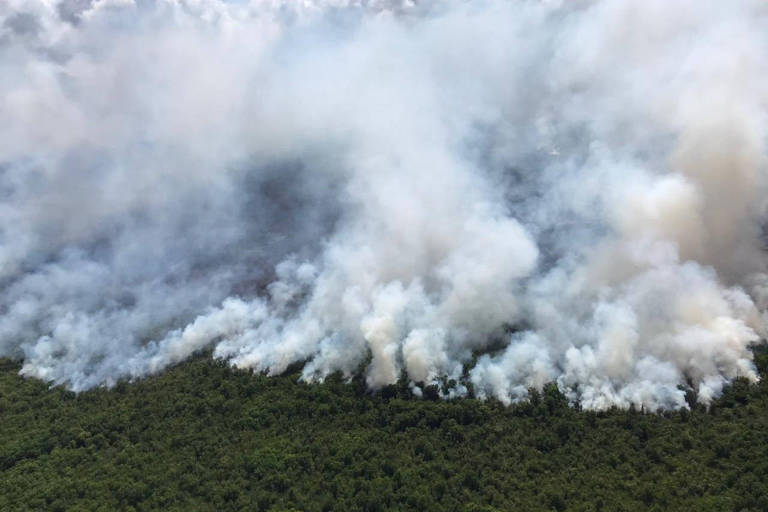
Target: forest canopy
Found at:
x=203, y=436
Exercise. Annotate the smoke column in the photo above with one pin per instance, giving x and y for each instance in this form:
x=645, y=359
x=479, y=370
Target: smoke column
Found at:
x=502, y=193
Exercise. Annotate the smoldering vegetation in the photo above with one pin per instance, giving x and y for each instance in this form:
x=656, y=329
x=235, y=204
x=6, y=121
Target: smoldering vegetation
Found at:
x=497, y=194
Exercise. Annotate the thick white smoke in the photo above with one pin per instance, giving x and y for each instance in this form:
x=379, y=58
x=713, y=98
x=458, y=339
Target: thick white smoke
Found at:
x=501, y=193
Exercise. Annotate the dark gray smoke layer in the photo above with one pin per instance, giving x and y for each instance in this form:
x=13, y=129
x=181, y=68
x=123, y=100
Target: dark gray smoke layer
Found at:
x=501, y=193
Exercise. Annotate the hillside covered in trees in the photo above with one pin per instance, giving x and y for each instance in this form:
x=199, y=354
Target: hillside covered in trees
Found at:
x=203, y=436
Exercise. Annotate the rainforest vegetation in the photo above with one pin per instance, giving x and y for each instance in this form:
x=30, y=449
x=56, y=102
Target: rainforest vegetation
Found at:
x=203, y=436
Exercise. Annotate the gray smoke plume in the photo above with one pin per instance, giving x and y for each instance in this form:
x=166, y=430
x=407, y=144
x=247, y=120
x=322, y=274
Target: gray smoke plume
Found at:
x=500, y=193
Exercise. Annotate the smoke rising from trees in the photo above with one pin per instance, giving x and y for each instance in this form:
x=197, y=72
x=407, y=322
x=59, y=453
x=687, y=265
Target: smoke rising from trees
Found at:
x=500, y=193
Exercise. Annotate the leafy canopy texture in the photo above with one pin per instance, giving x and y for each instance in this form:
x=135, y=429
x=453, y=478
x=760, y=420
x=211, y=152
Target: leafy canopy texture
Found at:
x=203, y=436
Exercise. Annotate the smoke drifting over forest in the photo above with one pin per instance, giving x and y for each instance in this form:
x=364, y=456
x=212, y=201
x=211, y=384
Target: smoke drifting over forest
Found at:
x=531, y=191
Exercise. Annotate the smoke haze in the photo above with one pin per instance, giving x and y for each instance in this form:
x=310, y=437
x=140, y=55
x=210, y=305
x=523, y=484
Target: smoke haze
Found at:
x=502, y=193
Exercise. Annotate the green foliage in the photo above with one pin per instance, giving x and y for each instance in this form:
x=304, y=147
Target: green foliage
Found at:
x=203, y=437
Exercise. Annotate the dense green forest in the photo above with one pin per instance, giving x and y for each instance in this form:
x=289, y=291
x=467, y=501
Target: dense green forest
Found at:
x=203, y=436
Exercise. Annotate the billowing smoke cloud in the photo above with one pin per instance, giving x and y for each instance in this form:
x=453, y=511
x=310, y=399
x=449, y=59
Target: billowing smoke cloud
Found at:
x=497, y=193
